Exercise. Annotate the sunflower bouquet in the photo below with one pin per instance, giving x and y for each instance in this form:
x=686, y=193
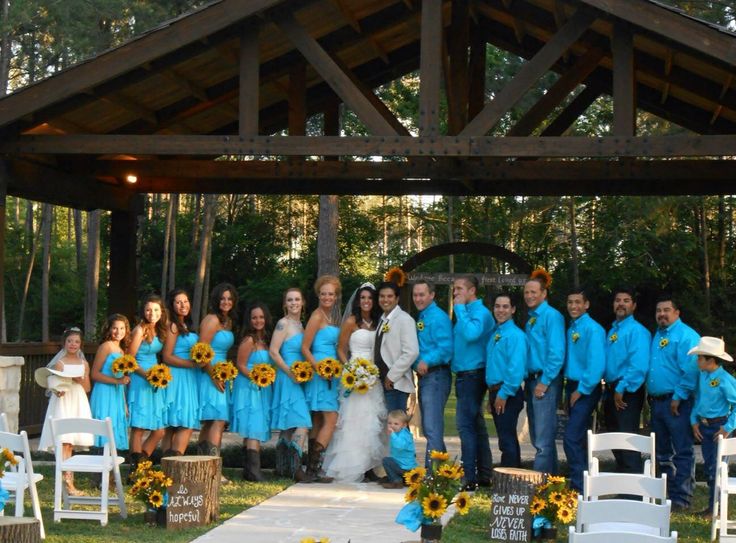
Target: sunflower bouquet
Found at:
x=302, y=370
x=159, y=376
x=149, y=485
x=125, y=364
x=432, y=492
x=359, y=375
x=553, y=502
x=225, y=371
x=262, y=375
x=327, y=368
x=202, y=354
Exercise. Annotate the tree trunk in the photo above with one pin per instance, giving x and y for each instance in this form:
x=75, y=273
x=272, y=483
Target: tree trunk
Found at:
x=206, y=239
x=27, y=282
x=172, y=243
x=29, y=226
x=78, y=237
x=706, y=265
x=194, y=472
x=327, y=262
x=196, y=221
x=573, y=244
x=167, y=240
x=47, y=219
x=722, y=239
x=20, y=529
x=4, y=47
x=92, y=283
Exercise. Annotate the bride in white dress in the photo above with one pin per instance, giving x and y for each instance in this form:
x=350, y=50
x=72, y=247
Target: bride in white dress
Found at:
x=359, y=443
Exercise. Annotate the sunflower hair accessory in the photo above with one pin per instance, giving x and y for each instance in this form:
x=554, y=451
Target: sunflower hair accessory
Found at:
x=543, y=276
x=396, y=275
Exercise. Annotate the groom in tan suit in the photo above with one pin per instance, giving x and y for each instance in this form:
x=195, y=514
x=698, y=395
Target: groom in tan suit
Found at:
x=396, y=348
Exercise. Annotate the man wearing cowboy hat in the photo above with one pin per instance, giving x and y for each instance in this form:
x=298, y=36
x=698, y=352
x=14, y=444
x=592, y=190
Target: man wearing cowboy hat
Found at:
x=671, y=381
x=714, y=413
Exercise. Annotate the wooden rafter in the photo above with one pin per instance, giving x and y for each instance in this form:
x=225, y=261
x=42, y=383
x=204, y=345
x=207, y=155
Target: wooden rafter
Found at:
x=573, y=111
x=624, y=82
x=249, y=82
x=429, y=70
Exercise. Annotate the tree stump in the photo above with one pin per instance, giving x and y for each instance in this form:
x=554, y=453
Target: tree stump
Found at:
x=509, y=480
x=20, y=529
x=194, y=496
x=513, y=490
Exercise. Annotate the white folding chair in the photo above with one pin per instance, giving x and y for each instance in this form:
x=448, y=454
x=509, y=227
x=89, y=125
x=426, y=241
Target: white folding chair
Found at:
x=22, y=477
x=623, y=516
x=619, y=537
x=610, y=441
x=104, y=464
x=724, y=485
x=4, y=423
x=651, y=489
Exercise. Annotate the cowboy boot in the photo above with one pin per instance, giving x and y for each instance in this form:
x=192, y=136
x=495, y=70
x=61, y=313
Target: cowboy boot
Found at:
x=170, y=452
x=296, y=471
x=134, y=460
x=252, y=470
x=71, y=490
x=282, y=458
x=316, y=459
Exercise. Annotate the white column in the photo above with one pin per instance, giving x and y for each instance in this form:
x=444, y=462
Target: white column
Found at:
x=10, y=373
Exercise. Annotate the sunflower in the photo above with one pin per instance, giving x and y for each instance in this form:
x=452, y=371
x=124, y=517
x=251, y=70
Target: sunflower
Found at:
x=362, y=388
x=552, y=479
x=538, y=504
x=462, y=503
x=144, y=483
x=411, y=494
x=565, y=515
x=144, y=466
x=202, y=353
x=446, y=470
x=308, y=540
x=434, y=505
x=556, y=498
x=439, y=455
x=156, y=499
x=336, y=368
x=414, y=476
x=348, y=380
x=457, y=472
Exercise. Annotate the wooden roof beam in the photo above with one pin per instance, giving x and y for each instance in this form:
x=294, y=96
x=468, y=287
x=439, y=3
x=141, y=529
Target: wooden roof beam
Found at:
x=430, y=66
x=131, y=106
x=562, y=123
x=529, y=73
x=249, y=83
x=351, y=20
x=667, y=69
x=624, y=81
x=519, y=28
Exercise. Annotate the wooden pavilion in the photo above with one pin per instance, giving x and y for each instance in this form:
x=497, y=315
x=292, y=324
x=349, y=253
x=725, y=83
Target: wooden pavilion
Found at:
x=193, y=105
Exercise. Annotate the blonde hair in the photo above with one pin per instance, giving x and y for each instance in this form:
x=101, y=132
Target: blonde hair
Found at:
x=323, y=280
x=400, y=415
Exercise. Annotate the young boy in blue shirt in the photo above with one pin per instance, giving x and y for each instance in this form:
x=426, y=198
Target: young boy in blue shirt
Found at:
x=402, y=453
x=714, y=413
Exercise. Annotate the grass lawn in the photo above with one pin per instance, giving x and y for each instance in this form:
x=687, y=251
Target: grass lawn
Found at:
x=234, y=498
x=473, y=528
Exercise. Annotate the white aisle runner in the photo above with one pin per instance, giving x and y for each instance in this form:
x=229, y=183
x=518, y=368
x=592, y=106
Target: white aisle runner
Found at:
x=360, y=513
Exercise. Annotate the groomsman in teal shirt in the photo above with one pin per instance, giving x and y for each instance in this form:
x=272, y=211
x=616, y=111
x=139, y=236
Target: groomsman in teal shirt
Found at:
x=586, y=361
x=545, y=330
x=505, y=369
x=434, y=330
x=671, y=381
x=627, y=363
x=471, y=333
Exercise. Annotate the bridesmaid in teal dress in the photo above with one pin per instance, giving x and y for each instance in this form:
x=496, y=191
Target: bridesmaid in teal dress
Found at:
x=108, y=393
x=182, y=417
x=251, y=416
x=320, y=342
x=214, y=397
x=289, y=410
x=147, y=406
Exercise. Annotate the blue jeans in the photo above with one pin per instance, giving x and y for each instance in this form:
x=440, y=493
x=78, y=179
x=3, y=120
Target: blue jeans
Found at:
x=434, y=388
x=470, y=388
x=575, y=440
x=674, y=444
x=508, y=440
x=394, y=472
x=710, y=449
x=395, y=399
x=624, y=420
x=542, y=414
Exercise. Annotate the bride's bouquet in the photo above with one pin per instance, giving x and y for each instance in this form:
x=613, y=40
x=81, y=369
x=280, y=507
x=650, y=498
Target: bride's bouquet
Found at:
x=359, y=375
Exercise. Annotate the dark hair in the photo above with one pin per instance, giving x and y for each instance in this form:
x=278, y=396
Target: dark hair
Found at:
x=184, y=324
x=430, y=286
x=580, y=291
x=667, y=297
x=248, y=331
x=470, y=279
x=622, y=289
x=162, y=323
x=216, y=296
x=72, y=331
x=389, y=284
x=107, y=329
x=375, y=310
x=505, y=294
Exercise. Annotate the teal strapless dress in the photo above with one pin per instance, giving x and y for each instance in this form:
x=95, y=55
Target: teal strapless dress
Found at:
x=252, y=404
x=213, y=404
x=108, y=400
x=183, y=393
x=147, y=405
x=322, y=394
x=289, y=407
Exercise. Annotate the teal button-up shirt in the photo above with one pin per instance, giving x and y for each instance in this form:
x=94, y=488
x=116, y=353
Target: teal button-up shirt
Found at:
x=715, y=397
x=506, y=358
x=545, y=331
x=471, y=332
x=586, y=359
x=627, y=354
x=434, y=331
x=671, y=369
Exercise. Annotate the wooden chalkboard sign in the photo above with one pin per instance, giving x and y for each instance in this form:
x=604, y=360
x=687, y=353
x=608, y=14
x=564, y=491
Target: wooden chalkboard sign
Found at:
x=513, y=490
x=186, y=505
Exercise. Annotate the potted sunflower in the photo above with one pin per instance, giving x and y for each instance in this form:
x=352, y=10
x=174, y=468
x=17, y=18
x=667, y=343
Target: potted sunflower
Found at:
x=150, y=487
x=430, y=493
x=553, y=503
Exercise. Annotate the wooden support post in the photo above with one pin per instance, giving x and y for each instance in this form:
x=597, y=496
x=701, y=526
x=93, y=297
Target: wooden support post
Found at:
x=456, y=77
x=476, y=71
x=3, y=195
x=429, y=68
x=529, y=73
x=624, y=84
x=122, y=294
x=249, y=82
x=298, y=99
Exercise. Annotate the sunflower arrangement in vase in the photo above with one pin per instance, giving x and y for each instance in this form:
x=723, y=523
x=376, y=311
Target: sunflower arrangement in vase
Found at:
x=262, y=375
x=159, y=376
x=553, y=502
x=7, y=459
x=149, y=485
x=359, y=375
x=125, y=364
x=431, y=493
x=225, y=371
x=302, y=370
x=329, y=368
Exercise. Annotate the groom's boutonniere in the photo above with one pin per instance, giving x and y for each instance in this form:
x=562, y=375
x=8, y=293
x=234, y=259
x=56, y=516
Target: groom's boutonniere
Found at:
x=420, y=325
x=385, y=328
x=575, y=337
x=532, y=322
x=496, y=338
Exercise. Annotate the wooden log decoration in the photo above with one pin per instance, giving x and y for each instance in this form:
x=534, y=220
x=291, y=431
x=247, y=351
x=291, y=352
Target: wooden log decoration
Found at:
x=20, y=529
x=194, y=496
x=513, y=490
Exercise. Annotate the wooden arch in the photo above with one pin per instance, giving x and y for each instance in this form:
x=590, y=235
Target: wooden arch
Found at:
x=468, y=247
